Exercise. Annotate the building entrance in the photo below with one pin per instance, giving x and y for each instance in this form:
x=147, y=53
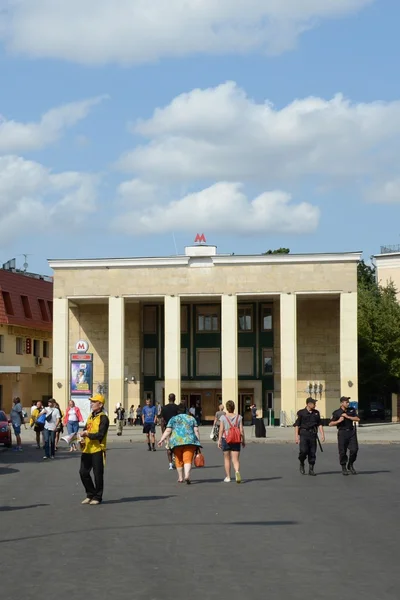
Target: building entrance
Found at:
x=210, y=399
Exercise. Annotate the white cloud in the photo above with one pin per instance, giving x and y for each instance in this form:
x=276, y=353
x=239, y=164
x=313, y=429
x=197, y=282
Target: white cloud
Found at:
x=222, y=134
x=137, y=31
x=17, y=137
x=137, y=192
x=387, y=192
x=32, y=196
x=223, y=207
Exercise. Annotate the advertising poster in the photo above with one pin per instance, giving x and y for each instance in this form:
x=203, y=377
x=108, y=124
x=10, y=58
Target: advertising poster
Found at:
x=81, y=378
x=84, y=406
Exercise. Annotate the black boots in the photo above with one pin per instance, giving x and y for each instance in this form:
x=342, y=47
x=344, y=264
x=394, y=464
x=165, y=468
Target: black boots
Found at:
x=311, y=471
x=302, y=470
x=351, y=469
x=344, y=470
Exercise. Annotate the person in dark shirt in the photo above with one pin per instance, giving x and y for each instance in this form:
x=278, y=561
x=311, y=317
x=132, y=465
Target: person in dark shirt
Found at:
x=306, y=430
x=344, y=418
x=167, y=412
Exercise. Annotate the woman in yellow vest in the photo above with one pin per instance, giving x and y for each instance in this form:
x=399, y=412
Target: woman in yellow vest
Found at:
x=94, y=442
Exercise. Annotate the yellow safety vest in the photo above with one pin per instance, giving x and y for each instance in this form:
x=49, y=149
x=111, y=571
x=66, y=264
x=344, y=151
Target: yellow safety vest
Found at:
x=93, y=426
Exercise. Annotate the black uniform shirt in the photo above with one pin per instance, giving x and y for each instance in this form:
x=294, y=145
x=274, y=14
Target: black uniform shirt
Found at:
x=346, y=423
x=308, y=420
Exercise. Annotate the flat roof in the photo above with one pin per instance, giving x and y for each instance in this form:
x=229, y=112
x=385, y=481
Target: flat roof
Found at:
x=215, y=259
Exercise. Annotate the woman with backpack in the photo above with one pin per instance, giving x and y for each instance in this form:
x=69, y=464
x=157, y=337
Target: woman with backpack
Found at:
x=231, y=440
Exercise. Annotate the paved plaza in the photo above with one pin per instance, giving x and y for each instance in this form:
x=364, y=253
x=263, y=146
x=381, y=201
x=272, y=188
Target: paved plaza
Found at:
x=278, y=535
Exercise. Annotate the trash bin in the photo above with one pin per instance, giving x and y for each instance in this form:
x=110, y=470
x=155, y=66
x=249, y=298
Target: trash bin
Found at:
x=260, y=430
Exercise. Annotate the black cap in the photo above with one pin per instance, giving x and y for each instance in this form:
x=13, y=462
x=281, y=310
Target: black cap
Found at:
x=311, y=401
x=345, y=398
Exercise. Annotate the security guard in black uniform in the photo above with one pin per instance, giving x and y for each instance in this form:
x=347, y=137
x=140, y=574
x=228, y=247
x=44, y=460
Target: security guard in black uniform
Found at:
x=306, y=430
x=344, y=418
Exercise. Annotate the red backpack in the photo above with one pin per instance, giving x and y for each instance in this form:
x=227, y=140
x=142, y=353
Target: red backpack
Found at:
x=233, y=435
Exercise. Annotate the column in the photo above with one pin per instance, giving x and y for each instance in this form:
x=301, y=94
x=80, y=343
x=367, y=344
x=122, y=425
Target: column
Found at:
x=61, y=351
x=229, y=349
x=116, y=351
x=288, y=356
x=348, y=346
x=172, y=347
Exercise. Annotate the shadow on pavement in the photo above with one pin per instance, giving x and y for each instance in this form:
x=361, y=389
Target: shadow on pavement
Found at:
x=262, y=523
x=11, y=508
x=137, y=499
x=8, y=470
x=358, y=472
x=34, y=456
x=79, y=532
x=244, y=481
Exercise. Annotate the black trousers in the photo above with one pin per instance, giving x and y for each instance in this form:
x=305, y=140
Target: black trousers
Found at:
x=308, y=447
x=347, y=441
x=94, y=462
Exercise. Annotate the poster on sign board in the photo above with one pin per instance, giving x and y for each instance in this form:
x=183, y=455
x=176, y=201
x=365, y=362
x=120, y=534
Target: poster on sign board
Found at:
x=84, y=406
x=81, y=378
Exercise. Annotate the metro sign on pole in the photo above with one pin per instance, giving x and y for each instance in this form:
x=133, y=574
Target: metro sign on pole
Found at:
x=200, y=238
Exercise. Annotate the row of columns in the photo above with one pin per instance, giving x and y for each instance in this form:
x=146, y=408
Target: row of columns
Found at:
x=229, y=347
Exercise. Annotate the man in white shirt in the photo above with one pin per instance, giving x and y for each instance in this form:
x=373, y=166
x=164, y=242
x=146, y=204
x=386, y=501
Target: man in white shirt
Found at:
x=53, y=418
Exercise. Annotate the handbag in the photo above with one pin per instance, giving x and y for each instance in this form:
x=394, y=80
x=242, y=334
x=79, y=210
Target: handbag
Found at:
x=233, y=435
x=41, y=420
x=199, y=460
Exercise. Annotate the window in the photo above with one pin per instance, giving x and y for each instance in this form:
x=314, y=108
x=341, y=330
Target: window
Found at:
x=50, y=307
x=26, y=307
x=184, y=362
x=208, y=318
x=245, y=362
x=266, y=318
x=208, y=361
x=46, y=349
x=184, y=319
x=43, y=311
x=36, y=348
x=19, y=345
x=245, y=317
x=150, y=319
x=150, y=361
x=1, y=343
x=7, y=303
x=268, y=362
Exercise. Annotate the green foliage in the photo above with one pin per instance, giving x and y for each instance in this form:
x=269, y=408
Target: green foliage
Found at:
x=278, y=251
x=378, y=335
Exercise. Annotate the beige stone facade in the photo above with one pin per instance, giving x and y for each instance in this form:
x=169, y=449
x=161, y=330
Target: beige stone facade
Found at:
x=388, y=269
x=310, y=341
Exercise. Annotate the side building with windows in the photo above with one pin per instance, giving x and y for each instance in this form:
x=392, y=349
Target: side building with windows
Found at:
x=26, y=316
x=268, y=329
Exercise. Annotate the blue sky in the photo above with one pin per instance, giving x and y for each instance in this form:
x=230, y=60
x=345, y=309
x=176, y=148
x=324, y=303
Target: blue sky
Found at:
x=259, y=126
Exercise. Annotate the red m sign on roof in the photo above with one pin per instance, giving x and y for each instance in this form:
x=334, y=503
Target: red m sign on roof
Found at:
x=200, y=238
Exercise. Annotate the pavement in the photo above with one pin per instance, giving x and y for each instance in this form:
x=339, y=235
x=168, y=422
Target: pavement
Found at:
x=388, y=433
x=279, y=535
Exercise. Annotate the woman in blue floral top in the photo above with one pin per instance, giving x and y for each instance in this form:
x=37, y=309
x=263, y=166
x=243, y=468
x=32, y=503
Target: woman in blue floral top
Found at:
x=184, y=440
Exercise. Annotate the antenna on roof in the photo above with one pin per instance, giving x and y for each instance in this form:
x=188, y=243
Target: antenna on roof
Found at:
x=25, y=265
x=176, y=249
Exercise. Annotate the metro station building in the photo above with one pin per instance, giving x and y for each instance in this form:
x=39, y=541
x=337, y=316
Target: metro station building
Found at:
x=269, y=329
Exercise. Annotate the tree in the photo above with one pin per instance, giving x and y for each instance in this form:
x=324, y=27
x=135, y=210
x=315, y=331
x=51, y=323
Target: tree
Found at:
x=278, y=251
x=378, y=335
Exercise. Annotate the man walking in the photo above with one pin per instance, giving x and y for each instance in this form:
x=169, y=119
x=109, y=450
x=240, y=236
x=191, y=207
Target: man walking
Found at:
x=53, y=419
x=306, y=431
x=94, y=451
x=344, y=418
x=167, y=412
x=120, y=418
x=16, y=421
x=149, y=420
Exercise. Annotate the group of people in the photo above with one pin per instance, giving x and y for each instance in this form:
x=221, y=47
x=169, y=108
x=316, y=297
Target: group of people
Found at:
x=180, y=434
x=309, y=423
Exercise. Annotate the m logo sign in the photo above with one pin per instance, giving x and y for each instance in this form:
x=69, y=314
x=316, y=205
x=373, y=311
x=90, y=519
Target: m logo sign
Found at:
x=200, y=238
x=82, y=346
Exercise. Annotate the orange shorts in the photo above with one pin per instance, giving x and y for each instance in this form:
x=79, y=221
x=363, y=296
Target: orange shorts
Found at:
x=184, y=455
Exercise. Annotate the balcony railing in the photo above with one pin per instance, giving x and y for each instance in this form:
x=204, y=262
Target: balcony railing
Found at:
x=390, y=249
